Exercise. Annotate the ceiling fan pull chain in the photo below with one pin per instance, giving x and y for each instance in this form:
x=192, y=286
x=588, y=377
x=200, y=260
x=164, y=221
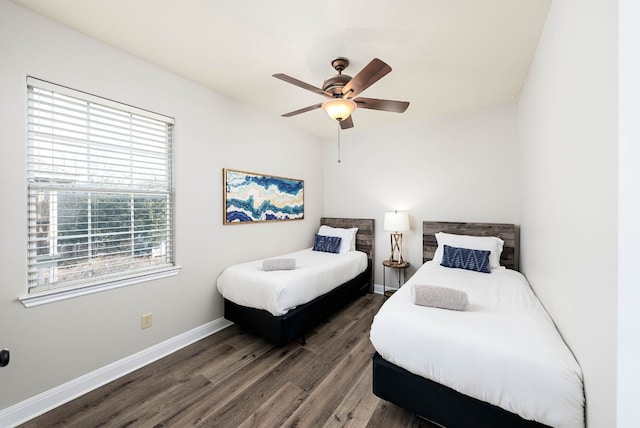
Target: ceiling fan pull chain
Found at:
x=339, y=161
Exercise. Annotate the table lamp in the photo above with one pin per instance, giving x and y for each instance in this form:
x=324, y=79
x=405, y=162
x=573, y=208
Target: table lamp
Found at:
x=396, y=223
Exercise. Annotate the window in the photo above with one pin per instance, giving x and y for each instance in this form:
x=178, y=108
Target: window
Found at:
x=100, y=193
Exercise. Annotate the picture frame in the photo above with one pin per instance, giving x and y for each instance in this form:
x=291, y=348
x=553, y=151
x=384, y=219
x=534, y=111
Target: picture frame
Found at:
x=250, y=197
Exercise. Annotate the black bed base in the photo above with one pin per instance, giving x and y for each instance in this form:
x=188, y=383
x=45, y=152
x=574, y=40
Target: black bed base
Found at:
x=283, y=329
x=438, y=403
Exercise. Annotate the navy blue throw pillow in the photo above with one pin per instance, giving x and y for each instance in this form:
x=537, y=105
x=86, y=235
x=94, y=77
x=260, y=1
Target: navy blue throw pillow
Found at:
x=465, y=258
x=327, y=244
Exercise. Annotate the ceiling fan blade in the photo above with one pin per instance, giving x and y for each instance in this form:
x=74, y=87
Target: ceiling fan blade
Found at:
x=302, y=84
x=384, y=105
x=347, y=123
x=302, y=110
x=369, y=75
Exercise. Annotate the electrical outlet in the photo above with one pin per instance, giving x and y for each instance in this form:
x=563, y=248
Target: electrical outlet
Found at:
x=147, y=320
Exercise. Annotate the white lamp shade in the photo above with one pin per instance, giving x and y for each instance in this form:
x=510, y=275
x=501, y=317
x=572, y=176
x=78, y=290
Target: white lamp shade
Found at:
x=396, y=221
x=339, y=108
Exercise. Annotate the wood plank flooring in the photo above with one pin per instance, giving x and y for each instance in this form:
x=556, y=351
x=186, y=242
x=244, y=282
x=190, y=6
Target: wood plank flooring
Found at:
x=234, y=379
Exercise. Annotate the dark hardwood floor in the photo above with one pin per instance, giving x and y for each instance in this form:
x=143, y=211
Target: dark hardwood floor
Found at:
x=233, y=379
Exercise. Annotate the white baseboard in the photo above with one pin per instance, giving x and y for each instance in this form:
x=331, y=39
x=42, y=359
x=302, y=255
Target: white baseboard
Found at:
x=41, y=403
x=377, y=288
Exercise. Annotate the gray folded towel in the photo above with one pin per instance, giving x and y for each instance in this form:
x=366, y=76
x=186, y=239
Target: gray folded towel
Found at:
x=279, y=264
x=439, y=297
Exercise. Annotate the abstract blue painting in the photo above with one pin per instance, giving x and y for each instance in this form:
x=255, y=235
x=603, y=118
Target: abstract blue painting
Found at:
x=250, y=197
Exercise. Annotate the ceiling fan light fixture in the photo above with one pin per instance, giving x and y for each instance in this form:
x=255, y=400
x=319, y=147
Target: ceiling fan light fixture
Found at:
x=339, y=108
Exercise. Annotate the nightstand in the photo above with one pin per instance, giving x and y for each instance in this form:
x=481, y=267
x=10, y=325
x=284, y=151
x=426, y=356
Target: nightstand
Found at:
x=399, y=268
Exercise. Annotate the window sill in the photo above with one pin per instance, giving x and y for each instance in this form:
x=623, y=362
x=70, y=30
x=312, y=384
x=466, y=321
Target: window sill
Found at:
x=44, y=297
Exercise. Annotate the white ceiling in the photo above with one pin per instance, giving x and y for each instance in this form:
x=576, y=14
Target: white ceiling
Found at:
x=446, y=55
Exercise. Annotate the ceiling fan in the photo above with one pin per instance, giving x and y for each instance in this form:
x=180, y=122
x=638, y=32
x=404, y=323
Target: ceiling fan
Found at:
x=342, y=92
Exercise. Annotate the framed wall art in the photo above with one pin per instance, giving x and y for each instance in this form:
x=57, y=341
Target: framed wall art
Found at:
x=251, y=197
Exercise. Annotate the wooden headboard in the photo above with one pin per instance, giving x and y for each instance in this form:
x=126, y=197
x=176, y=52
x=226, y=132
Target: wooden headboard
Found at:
x=506, y=232
x=365, y=237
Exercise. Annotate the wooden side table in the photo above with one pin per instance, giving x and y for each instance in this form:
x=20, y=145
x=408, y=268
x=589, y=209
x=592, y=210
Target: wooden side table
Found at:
x=400, y=269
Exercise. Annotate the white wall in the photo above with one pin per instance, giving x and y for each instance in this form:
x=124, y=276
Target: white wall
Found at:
x=58, y=342
x=568, y=135
x=462, y=167
x=629, y=213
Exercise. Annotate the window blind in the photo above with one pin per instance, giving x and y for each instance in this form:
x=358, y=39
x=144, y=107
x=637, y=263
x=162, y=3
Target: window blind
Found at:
x=100, y=189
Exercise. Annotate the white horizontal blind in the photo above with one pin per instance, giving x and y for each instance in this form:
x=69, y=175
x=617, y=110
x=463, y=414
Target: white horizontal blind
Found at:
x=100, y=189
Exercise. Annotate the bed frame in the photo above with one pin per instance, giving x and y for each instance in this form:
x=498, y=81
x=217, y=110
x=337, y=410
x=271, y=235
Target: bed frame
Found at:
x=431, y=400
x=283, y=329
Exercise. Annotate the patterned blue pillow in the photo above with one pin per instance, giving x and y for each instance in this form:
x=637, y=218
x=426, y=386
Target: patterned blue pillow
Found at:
x=327, y=244
x=465, y=258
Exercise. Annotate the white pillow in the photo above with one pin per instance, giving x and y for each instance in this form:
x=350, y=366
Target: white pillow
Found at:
x=348, y=242
x=490, y=243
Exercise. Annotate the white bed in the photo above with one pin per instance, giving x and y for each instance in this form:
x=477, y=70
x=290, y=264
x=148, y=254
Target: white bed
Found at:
x=279, y=291
x=282, y=306
x=504, y=349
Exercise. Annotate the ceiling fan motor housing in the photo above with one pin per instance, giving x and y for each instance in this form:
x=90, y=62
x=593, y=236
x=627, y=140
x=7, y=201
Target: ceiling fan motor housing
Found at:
x=334, y=84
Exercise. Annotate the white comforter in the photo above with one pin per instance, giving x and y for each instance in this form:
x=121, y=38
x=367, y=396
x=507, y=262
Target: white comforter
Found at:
x=278, y=291
x=504, y=350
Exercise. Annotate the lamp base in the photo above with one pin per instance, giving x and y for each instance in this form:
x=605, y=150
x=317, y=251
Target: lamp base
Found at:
x=396, y=248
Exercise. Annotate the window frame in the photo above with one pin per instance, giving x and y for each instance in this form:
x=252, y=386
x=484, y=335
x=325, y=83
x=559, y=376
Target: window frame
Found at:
x=41, y=294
